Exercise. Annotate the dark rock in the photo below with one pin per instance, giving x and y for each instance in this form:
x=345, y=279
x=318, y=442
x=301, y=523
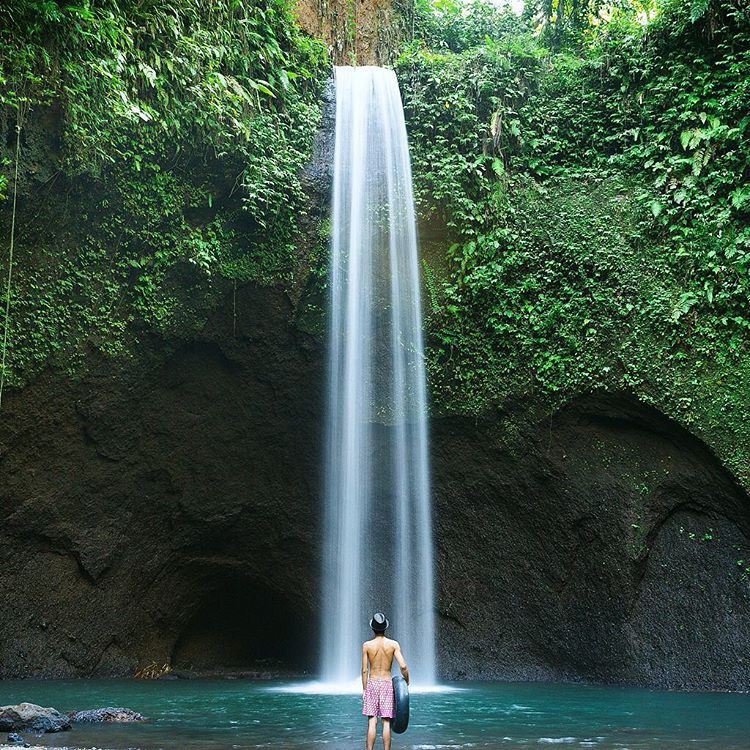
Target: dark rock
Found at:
x=108, y=714
x=32, y=717
x=600, y=543
x=137, y=504
x=180, y=674
x=317, y=176
x=14, y=737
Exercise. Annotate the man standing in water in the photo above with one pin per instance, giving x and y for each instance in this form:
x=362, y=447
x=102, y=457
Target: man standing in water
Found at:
x=377, y=689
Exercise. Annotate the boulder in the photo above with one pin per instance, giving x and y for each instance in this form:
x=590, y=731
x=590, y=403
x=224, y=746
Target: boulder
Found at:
x=32, y=717
x=107, y=714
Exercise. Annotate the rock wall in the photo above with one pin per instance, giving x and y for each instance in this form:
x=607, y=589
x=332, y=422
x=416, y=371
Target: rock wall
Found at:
x=140, y=501
x=356, y=32
x=169, y=512
x=601, y=543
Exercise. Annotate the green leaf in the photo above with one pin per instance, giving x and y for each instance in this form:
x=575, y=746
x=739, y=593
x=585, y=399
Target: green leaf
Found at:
x=261, y=86
x=740, y=196
x=698, y=9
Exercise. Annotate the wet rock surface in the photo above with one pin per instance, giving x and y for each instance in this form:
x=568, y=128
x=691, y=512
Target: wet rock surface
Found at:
x=29, y=716
x=106, y=715
x=168, y=511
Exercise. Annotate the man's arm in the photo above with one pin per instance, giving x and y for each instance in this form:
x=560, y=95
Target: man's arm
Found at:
x=401, y=662
x=364, y=667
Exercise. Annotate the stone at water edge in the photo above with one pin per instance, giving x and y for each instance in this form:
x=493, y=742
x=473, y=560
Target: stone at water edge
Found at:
x=15, y=737
x=106, y=714
x=31, y=716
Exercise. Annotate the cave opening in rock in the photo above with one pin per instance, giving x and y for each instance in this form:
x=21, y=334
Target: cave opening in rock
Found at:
x=239, y=626
x=611, y=548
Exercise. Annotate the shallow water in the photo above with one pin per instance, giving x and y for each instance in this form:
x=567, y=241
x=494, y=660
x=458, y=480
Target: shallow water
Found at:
x=224, y=714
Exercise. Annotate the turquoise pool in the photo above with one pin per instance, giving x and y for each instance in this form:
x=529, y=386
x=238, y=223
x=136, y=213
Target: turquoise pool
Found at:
x=227, y=714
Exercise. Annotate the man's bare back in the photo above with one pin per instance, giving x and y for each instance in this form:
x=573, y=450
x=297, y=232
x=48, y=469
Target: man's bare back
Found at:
x=377, y=658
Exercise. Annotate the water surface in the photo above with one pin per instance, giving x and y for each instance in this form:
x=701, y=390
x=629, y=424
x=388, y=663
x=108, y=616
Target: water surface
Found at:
x=224, y=714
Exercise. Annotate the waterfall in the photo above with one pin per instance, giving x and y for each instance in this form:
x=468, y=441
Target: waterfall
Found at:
x=378, y=534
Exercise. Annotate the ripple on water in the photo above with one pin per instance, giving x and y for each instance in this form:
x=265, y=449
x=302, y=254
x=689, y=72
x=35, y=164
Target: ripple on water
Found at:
x=217, y=715
x=556, y=740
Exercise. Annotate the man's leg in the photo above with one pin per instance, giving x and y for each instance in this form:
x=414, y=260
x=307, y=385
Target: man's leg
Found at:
x=372, y=731
x=386, y=734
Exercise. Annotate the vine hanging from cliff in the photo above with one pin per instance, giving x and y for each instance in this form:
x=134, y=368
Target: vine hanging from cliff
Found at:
x=11, y=247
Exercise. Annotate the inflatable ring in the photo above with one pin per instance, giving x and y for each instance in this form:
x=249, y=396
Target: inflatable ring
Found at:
x=400, y=705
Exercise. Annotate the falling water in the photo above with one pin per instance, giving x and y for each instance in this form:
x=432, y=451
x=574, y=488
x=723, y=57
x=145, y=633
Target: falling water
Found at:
x=378, y=523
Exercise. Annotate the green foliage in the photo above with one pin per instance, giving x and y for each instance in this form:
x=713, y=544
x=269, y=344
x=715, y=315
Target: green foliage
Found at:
x=193, y=73
x=181, y=130
x=595, y=203
x=456, y=26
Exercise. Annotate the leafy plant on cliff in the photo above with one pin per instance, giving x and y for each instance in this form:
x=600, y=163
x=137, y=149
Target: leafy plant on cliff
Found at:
x=171, y=137
x=594, y=207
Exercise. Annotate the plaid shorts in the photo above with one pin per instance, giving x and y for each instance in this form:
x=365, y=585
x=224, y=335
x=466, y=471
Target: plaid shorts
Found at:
x=378, y=698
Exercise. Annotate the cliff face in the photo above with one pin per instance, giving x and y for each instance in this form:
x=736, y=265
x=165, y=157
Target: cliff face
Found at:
x=603, y=542
x=138, y=502
x=169, y=511
x=166, y=508
x=356, y=32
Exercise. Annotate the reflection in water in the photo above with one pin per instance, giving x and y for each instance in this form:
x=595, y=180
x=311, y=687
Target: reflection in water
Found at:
x=224, y=714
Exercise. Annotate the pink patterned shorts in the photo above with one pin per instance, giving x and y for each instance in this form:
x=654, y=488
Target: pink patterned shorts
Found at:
x=378, y=698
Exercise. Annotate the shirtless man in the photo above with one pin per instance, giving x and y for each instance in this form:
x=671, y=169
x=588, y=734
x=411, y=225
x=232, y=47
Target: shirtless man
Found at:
x=377, y=689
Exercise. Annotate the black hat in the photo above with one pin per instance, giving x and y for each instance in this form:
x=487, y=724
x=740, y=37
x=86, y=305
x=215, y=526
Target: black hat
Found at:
x=379, y=622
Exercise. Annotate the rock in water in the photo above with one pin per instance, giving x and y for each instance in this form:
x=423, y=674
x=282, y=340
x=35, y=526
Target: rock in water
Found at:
x=33, y=717
x=97, y=715
x=14, y=737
